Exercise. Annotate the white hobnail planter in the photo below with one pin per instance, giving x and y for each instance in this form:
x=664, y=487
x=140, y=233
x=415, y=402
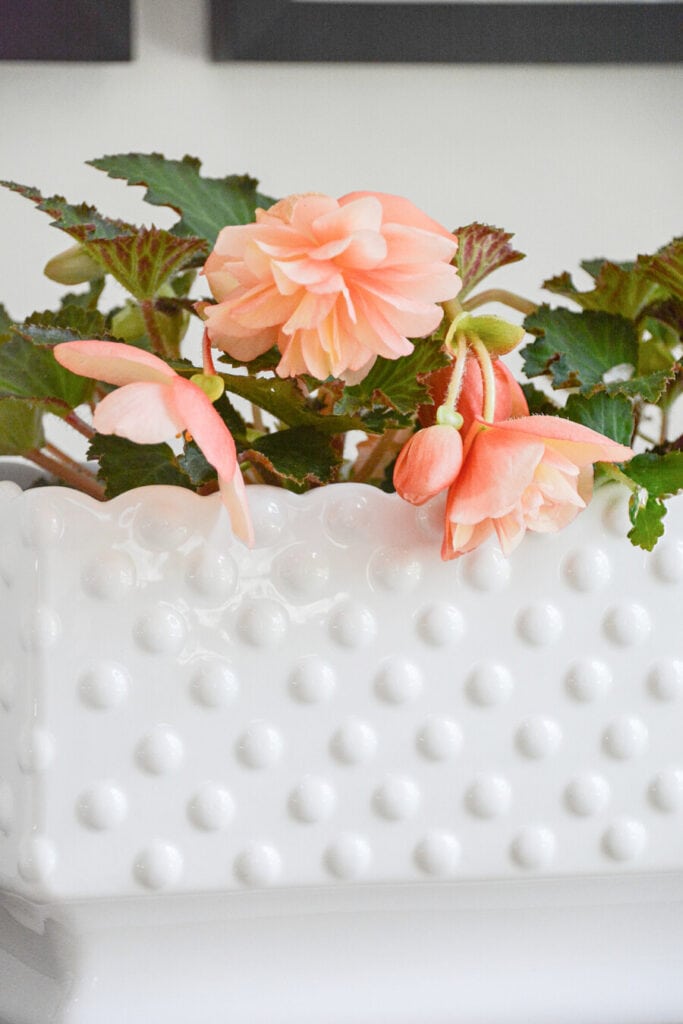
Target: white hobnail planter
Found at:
x=334, y=780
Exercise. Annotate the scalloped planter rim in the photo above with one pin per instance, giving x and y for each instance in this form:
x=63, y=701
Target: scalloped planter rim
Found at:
x=334, y=778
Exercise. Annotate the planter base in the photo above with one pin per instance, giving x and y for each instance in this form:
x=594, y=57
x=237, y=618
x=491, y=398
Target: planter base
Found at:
x=604, y=952
x=334, y=780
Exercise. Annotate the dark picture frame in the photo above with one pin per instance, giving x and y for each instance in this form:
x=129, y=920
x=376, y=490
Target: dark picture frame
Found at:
x=65, y=30
x=460, y=33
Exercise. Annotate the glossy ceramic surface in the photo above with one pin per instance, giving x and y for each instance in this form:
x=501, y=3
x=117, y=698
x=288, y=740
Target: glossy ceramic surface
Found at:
x=335, y=734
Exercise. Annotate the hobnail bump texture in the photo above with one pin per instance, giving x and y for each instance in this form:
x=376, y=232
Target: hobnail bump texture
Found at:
x=336, y=706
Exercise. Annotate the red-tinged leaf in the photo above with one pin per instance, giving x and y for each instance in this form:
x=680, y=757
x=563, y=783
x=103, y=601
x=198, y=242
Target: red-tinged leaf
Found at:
x=625, y=291
x=666, y=267
x=481, y=250
x=143, y=262
x=78, y=221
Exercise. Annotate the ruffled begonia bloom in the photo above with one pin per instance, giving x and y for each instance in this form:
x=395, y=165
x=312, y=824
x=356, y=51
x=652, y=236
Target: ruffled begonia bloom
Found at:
x=510, y=400
x=152, y=404
x=428, y=463
x=334, y=283
x=532, y=473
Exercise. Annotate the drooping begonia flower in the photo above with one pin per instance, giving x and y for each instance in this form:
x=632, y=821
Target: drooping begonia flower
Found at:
x=531, y=473
x=510, y=400
x=152, y=404
x=428, y=463
x=333, y=283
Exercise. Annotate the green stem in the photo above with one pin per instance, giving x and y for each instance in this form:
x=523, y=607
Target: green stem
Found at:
x=486, y=364
x=506, y=298
x=455, y=385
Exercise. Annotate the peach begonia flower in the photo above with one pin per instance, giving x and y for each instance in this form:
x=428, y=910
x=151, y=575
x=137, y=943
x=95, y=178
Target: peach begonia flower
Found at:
x=332, y=282
x=510, y=400
x=428, y=463
x=153, y=404
x=532, y=473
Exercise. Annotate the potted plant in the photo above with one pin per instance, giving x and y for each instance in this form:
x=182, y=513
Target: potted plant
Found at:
x=296, y=729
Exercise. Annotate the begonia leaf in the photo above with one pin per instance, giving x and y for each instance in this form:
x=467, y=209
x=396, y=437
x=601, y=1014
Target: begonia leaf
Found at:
x=205, y=204
x=660, y=475
x=396, y=382
x=301, y=456
x=78, y=221
x=21, y=428
x=123, y=464
x=284, y=399
x=647, y=521
x=617, y=290
x=609, y=415
x=143, y=262
x=481, y=250
x=29, y=370
x=578, y=349
x=666, y=267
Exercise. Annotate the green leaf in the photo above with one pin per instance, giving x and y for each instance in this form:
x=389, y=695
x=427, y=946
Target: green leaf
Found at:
x=618, y=289
x=647, y=521
x=143, y=262
x=611, y=416
x=30, y=371
x=396, y=382
x=649, y=387
x=5, y=321
x=302, y=456
x=284, y=400
x=205, y=204
x=141, y=259
x=75, y=320
x=481, y=250
x=194, y=464
x=81, y=221
x=266, y=361
x=125, y=465
x=578, y=349
x=660, y=475
x=538, y=402
x=666, y=267
x=87, y=299
x=21, y=427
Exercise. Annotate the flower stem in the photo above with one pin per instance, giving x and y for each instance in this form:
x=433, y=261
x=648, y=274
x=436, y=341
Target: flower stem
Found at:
x=387, y=443
x=149, y=316
x=77, y=467
x=507, y=298
x=207, y=357
x=486, y=364
x=80, y=425
x=81, y=480
x=455, y=385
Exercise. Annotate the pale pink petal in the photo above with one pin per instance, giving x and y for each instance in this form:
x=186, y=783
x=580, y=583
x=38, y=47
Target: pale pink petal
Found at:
x=234, y=497
x=510, y=530
x=112, y=362
x=397, y=210
x=459, y=538
x=406, y=245
x=141, y=412
x=362, y=214
x=199, y=416
x=497, y=469
x=310, y=312
x=587, y=445
x=366, y=250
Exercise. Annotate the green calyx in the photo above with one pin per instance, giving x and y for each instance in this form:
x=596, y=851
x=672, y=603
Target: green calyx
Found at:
x=211, y=384
x=496, y=334
x=447, y=417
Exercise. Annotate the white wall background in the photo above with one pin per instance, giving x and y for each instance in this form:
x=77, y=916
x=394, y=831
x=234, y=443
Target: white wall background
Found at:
x=578, y=161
